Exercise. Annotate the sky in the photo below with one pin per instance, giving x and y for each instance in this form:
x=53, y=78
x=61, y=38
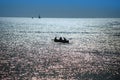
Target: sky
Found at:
x=60, y=8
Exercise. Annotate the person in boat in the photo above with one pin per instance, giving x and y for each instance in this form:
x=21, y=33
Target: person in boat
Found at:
x=60, y=39
x=55, y=39
x=65, y=40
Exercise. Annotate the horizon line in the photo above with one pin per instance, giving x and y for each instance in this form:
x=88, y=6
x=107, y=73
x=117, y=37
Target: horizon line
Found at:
x=56, y=17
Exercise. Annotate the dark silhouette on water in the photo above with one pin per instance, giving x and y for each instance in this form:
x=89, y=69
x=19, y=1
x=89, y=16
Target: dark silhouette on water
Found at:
x=61, y=40
x=39, y=17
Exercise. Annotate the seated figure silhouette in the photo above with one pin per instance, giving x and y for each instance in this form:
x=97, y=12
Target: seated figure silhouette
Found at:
x=55, y=39
x=60, y=38
x=65, y=40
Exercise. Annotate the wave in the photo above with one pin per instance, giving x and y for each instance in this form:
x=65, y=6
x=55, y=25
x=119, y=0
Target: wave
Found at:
x=63, y=32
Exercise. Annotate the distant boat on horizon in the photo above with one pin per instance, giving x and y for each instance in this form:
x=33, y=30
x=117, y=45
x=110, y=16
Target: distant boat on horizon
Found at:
x=39, y=17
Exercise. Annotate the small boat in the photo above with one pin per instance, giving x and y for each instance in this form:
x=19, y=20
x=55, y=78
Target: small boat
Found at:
x=60, y=40
x=39, y=17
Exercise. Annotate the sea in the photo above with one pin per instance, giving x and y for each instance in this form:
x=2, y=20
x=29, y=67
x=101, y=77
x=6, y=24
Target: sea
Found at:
x=28, y=50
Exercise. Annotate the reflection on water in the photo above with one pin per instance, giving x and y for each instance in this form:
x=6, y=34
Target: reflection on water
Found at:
x=27, y=50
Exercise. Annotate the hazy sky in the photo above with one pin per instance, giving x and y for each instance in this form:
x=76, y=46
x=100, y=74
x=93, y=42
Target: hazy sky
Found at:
x=60, y=8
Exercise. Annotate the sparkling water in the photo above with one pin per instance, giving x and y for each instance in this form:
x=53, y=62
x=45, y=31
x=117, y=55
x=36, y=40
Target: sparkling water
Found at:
x=28, y=51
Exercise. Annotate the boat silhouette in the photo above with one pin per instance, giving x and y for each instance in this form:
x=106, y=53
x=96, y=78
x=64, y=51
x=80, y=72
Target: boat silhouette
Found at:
x=61, y=40
x=39, y=17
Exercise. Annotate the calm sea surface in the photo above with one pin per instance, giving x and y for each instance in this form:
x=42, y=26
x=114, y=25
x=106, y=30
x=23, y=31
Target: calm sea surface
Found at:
x=27, y=49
